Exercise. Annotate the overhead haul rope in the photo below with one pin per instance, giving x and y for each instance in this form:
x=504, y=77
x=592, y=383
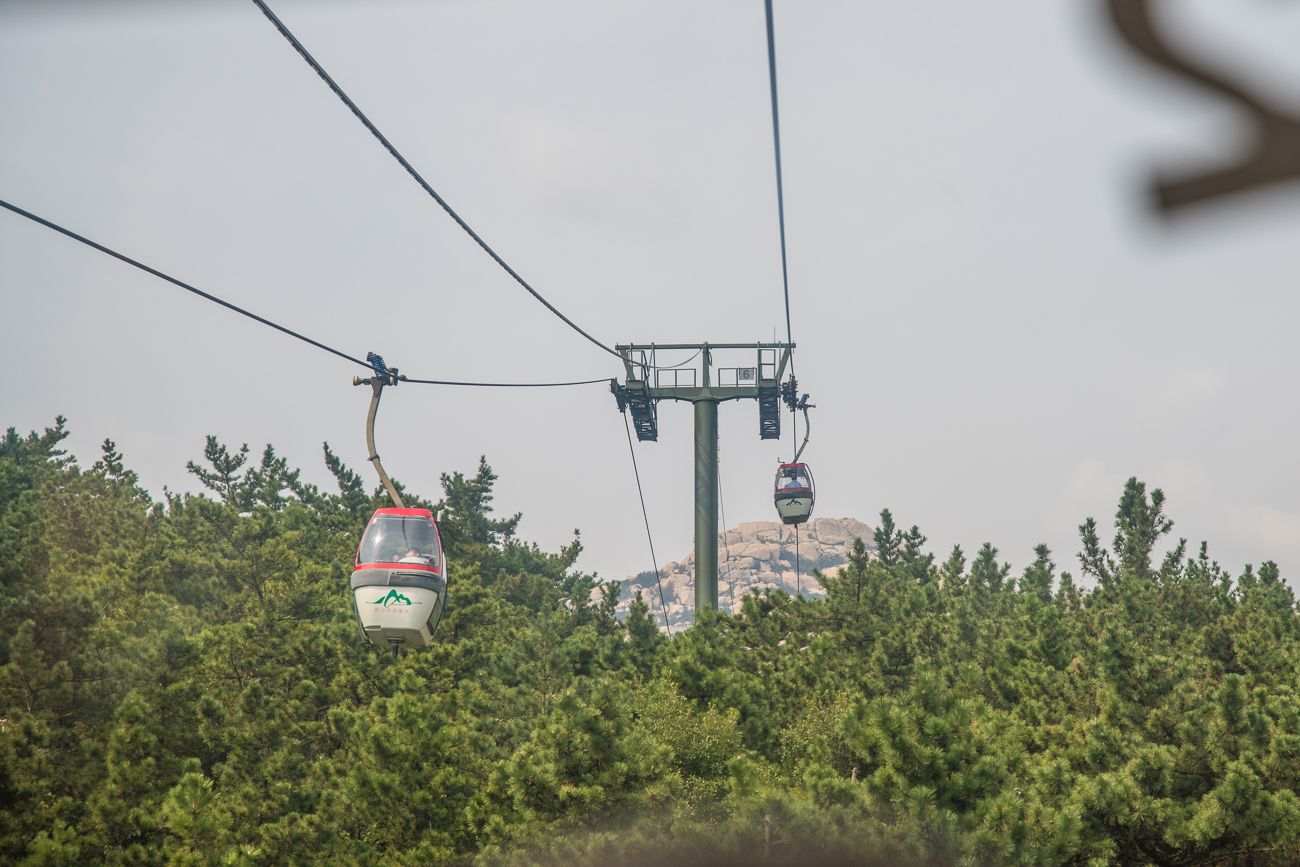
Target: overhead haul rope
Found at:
x=240, y=310
x=663, y=606
x=160, y=275
x=780, y=193
x=504, y=384
x=780, y=200
x=338, y=91
x=678, y=364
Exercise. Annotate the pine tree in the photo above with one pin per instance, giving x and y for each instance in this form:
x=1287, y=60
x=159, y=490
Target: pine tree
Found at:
x=888, y=539
x=183, y=682
x=643, y=636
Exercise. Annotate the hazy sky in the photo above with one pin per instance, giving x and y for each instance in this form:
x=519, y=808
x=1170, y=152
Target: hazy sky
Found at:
x=995, y=330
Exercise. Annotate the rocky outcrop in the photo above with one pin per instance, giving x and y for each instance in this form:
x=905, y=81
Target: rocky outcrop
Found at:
x=753, y=557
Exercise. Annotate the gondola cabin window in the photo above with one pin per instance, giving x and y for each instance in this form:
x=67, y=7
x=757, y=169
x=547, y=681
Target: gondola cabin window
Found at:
x=409, y=539
x=792, y=478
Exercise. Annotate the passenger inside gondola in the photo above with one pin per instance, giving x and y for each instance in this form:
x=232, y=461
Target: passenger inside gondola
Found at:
x=795, y=478
x=399, y=539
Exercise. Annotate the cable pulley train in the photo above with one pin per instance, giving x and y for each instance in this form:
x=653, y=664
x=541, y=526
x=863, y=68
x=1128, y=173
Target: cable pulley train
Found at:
x=399, y=583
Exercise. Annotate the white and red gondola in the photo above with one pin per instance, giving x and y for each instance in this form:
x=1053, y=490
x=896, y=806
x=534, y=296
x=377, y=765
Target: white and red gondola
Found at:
x=399, y=584
x=795, y=493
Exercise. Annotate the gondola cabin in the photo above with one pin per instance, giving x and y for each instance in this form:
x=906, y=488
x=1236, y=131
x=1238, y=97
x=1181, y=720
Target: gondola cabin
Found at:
x=399, y=585
x=794, y=493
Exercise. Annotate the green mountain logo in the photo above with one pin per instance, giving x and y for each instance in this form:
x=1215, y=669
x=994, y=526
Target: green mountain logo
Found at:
x=392, y=598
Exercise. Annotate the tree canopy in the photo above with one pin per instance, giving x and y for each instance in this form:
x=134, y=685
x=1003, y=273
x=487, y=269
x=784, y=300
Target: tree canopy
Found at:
x=182, y=682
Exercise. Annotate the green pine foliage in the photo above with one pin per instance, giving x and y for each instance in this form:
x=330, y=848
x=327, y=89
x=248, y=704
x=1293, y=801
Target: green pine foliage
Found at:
x=182, y=682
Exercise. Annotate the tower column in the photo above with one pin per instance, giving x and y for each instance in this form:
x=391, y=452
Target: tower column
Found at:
x=706, y=504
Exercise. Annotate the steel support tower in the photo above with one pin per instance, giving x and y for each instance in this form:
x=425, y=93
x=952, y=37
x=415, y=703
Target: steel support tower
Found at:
x=646, y=384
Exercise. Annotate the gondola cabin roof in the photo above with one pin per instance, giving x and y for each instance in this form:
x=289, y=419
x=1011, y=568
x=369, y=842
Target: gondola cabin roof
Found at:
x=404, y=512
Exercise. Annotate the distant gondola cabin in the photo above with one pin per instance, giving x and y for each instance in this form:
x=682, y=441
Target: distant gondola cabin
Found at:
x=794, y=493
x=399, y=584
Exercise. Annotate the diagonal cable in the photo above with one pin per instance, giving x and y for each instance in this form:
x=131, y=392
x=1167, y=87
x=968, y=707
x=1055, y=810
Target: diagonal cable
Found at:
x=780, y=195
x=161, y=276
x=663, y=606
x=503, y=384
x=338, y=91
x=731, y=587
x=780, y=192
x=187, y=287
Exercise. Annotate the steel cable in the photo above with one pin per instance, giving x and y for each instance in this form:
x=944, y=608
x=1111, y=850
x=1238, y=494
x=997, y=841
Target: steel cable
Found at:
x=780, y=192
x=160, y=275
x=678, y=364
x=503, y=384
x=780, y=198
x=731, y=588
x=663, y=605
x=338, y=91
x=214, y=299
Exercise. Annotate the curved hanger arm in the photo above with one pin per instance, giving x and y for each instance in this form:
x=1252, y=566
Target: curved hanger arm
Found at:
x=377, y=386
x=807, y=431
